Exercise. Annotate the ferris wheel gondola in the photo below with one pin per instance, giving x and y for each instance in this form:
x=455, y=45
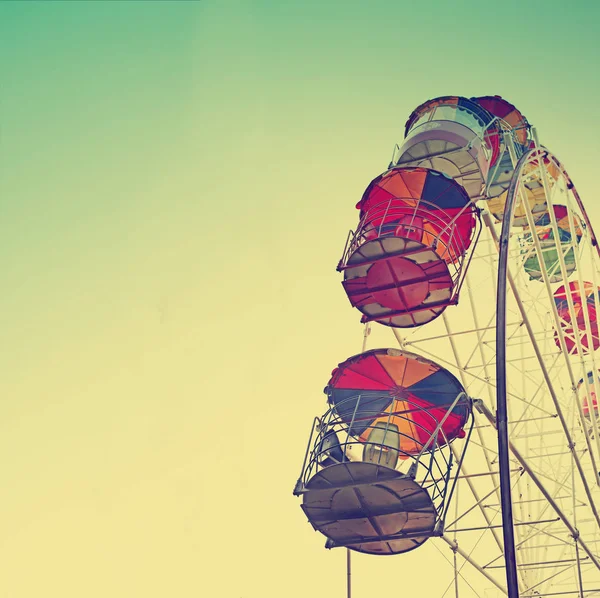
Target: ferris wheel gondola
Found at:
x=376, y=476
x=405, y=262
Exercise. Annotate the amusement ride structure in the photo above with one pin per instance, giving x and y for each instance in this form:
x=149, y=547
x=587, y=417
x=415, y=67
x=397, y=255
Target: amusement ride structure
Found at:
x=479, y=426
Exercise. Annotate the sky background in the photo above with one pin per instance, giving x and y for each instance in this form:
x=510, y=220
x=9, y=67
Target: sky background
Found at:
x=177, y=180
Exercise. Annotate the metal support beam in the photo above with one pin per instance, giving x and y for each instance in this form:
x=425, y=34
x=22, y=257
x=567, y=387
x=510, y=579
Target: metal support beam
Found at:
x=455, y=547
x=536, y=480
x=478, y=529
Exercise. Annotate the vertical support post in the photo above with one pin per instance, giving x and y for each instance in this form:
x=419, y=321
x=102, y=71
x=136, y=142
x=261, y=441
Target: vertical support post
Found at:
x=366, y=332
x=455, y=575
x=456, y=544
x=579, y=577
x=349, y=572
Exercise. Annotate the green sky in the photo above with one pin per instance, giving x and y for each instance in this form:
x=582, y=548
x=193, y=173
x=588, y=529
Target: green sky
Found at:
x=177, y=180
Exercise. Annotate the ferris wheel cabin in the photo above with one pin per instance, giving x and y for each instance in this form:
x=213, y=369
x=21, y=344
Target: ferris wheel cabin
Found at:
x=455, y=136
x=533, y=190
x=509, y=120
x=585, y=304
x=404, y=263
x=376, y=475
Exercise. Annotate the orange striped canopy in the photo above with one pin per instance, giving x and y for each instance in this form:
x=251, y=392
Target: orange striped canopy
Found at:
x=425, y=205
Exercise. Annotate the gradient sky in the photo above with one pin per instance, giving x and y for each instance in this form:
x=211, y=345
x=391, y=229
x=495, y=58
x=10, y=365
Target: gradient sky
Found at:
x=177, y=180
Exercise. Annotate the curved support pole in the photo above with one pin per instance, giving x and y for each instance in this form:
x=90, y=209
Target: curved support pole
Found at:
x=501, y=408
x=501, y=391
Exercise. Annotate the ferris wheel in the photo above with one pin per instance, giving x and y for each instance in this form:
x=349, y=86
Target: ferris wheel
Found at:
x=477, y=426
